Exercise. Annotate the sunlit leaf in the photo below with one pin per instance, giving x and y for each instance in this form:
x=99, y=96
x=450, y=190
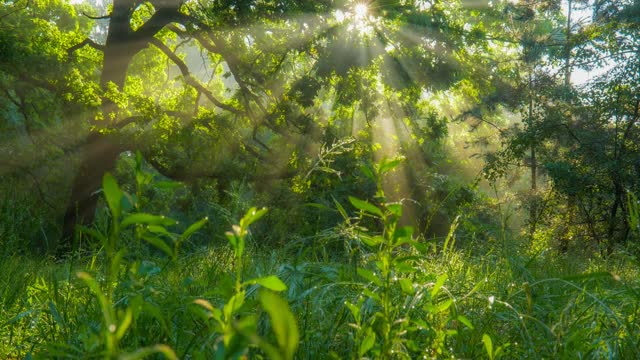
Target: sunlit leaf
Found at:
x=146, y=219
x=388, y=165
x=355, y=310
x=252, y=216
x=438, y=285
x=193, y=228
x=368, y=275
x=407, y=286
x=395, y=208
x=340, y=209
x=112, y=194
x=367, y=172
x=365, y=206
x=234, y=304
x=283, y=323
x=488, y=345
x=270, y=282
x=371, y=240
x=102, y=299
x=367, y=343
x=96, y=234
x=150, y=350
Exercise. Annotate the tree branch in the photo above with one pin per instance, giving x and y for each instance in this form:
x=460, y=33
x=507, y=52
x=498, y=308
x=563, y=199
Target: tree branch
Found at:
x=189, y=79
x=103, y=17
x=85, y=42
x=135, y=118
x=37, y=82
x=126, y=121
x=219, y=47
x=26, y=5
x=161, y=18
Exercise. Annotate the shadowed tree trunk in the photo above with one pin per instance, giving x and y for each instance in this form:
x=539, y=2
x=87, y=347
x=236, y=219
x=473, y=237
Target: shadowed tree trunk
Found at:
x=100, y=152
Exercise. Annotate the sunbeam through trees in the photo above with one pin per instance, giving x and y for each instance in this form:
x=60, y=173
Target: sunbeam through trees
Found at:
x=319, y=179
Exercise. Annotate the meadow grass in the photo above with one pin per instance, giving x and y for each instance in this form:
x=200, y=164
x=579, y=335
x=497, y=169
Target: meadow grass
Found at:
x=530, y=306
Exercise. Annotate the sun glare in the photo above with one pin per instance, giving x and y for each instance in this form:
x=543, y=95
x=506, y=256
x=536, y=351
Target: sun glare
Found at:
x=358, y=17
x=361, y=11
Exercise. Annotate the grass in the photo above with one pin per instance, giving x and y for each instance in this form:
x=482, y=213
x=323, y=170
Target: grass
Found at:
x=543, y=307
x=366, y=289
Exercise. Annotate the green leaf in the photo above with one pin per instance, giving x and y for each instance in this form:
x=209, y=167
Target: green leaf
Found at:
x=395, y=208
x=212, y=311
x=94, y=233
x=270, y=282
x=451, y=236
x=402, y=235
x=340, y=209
x=370, y=276
x=233, y=240
x=371, y=240
x=283, y=323
x=146, y=219
x=355, y=311
x=444, y=306
x=319, y=206
x=365, y=206
x=159, y=243
x=56, y=315
x=116, y=260
x=233, y=305
x=127, y=202
x=112, y=193
x=158, y=314
x=407, y=286
x=160, y=230
x=588, y=276
x=439, y=282
x=367, y=172
x=19, y=316
x=463, y=319
x=403, y=266
x=367, y=343
x=102, y=299
x=193, y=228
x=146, y=351
x=388, y=165
x=488, y=345
x=252, y=216
x=371, y=294
x=124, y=324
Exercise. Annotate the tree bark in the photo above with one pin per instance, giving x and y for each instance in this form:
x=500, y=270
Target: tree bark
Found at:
x=101, y=152
x=99, y=156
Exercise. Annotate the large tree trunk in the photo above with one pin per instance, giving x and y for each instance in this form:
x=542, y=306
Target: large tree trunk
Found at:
x=99, y=156
x=100, y=152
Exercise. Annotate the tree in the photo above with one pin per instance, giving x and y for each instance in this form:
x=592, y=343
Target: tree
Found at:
x=588, y=131
x=282, y=78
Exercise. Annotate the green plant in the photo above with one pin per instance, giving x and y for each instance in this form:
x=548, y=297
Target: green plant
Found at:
x=152, y=228
x=400, y=314
x=238, y=330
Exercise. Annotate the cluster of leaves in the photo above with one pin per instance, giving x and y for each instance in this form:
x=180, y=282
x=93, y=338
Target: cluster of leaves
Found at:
x=581, y=139
x=385, y=327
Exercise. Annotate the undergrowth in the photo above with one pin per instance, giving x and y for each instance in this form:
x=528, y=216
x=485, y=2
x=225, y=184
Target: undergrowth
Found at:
x=381, y=293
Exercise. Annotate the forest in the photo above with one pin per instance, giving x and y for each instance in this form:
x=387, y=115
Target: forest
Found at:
x=329, y=179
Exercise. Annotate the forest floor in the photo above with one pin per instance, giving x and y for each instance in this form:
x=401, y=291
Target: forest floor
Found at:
x=505, y=300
